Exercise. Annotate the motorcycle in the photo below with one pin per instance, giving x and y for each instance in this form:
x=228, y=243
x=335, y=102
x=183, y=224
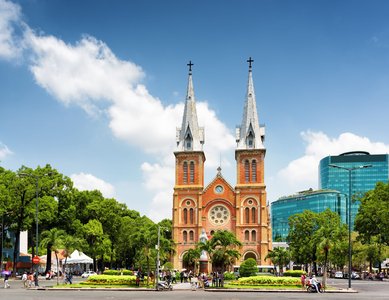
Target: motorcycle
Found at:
x=311, y=288
x=164, y=286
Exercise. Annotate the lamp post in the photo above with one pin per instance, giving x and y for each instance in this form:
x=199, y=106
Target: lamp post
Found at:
x=158, y=262
x=36, y=177
x=157, y=268
x=349, y=170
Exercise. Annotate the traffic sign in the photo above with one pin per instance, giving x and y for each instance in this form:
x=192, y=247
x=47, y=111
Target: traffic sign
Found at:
x=36, y=260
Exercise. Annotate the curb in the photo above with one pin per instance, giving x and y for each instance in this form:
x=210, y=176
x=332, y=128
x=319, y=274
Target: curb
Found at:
x=341, y=291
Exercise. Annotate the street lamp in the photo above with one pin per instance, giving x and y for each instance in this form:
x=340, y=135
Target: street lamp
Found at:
x=349, y=170
x=158, y=262
x=36, y=177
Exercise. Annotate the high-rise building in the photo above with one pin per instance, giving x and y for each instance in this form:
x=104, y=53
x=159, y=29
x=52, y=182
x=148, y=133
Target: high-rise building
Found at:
x=362, y=179
x=316, y=201
x=200, y=210
x=333, y=189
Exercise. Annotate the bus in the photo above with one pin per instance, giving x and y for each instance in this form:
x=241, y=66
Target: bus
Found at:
x=261, y=270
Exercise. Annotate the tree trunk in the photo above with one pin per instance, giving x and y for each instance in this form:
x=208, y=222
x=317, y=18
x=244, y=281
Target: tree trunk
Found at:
x=48, y=258
x=325, y=268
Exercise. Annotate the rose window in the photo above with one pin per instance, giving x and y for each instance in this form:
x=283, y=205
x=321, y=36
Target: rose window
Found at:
x=219, y=215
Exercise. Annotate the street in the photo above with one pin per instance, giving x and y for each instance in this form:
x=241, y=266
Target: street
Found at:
x=366, y=290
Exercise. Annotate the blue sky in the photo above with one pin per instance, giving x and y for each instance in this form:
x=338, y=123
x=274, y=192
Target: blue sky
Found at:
x=96, y=88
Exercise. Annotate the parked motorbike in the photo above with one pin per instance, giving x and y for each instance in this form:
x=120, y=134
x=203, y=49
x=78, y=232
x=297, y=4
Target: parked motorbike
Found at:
x=164, y=286
x=311, y=288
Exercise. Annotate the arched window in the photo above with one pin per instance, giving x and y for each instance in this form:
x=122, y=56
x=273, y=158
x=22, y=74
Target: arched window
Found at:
x=246, y=235
x=192, y=171
x=247, y=215
x=185, y=171
x=253, y=215
x=184, y=236
x=246, y=171
x=254, y=171
x=191, y=215
x=185, y=216
x=253, y=236
x=191, y=235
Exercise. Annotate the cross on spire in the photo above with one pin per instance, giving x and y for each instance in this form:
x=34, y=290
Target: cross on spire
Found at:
x=250, y=61
x=190, y=66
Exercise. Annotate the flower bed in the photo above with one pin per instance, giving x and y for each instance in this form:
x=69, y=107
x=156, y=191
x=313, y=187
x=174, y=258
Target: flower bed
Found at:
x=266, y=280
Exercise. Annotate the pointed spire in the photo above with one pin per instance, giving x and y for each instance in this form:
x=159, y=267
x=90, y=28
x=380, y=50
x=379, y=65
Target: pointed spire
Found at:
x=190, y=136
x=250, y=135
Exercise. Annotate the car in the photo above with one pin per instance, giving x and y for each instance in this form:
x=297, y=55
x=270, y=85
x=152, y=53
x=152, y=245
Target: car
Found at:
x=338, y=274
x=87, y=274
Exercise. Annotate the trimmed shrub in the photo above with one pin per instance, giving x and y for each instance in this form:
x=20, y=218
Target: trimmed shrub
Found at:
x=111, y=280
x=294, y=273
x=118, y=272
x=248, y=268
x=267, y=280
x=229, y=276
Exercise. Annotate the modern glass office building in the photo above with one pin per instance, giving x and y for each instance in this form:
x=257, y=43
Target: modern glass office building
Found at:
x=369, y=169
x=316, y=201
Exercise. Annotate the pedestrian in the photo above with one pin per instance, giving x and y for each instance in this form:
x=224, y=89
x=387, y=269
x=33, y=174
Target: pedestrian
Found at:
x=174, y=277
x=30, y=279
x=303, y=281
x=6, y=284
x=24, y=279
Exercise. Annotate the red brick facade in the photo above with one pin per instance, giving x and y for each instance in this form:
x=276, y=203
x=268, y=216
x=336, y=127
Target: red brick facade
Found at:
x=241, y=209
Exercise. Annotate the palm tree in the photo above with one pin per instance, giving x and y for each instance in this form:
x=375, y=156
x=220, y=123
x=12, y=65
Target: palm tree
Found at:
x=52, y=239
x=279, y=256
x=191, y=258
x=222, y=249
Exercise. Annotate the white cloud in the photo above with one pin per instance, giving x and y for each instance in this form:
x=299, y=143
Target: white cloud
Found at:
x=4, y=151
x=10, y=44
x=89, y=75
x=88, y=182
x=302, y=173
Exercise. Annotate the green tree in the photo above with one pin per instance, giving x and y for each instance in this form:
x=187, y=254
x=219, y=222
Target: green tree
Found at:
x=94, y=236
x=330, y=231
x=280, y=257
x=248, y=268
x=302, y=228
x=372, y=220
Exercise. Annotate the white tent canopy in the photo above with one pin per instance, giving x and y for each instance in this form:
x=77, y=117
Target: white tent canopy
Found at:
x=78, y=257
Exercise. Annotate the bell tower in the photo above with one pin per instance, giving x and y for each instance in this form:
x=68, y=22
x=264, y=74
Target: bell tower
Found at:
x=189, y=177
x=253, y=212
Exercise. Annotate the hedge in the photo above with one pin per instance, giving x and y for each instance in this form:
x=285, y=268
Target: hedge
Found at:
x=267, y=280
x=118, y=272
x=294, y=273
x=111, y=280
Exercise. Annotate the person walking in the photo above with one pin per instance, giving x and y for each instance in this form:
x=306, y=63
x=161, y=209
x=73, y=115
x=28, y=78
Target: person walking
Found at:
x=6, y=284
x=302, y=278
x=24, y=279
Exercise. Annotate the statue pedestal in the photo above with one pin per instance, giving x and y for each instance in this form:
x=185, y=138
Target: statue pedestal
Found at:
x=204, y=266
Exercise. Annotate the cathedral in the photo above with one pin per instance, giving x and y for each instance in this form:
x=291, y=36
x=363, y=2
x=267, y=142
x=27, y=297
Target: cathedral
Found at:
x=200, y=210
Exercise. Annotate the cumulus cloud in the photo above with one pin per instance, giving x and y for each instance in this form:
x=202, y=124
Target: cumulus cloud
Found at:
x=4, y=151
x=88, y=182
x=302, y=173
x=10, y=44
x=89, y=75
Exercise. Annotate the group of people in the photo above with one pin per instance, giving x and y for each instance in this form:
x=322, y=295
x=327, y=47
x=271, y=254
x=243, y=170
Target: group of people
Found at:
x=28, y=279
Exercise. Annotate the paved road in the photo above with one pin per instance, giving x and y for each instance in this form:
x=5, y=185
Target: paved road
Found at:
x=366, y=290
